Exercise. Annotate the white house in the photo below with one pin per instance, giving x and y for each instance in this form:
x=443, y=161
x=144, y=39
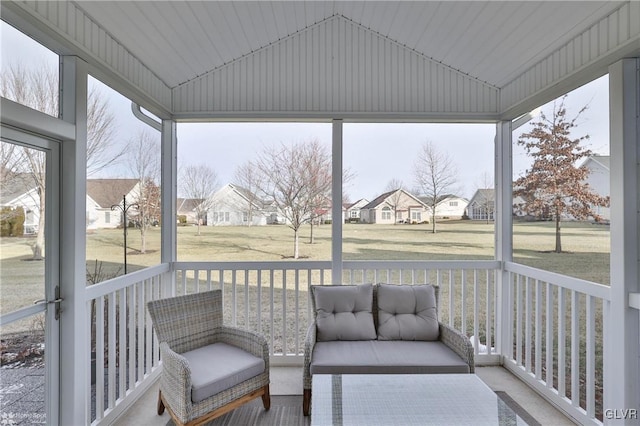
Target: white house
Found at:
x=393, y=207
x=102, y=194
x=449, y=206
x=352, y=210
x=599, y=180
x=234, y=205
x=482, y=204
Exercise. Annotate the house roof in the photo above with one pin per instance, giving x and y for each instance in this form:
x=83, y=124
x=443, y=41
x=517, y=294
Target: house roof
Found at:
x=603, y=160
x=429, y=200
x=479, y=59
x=108, y=192
x=382, y=198
x=484, y=193
x=187, y=204
x=14, y=186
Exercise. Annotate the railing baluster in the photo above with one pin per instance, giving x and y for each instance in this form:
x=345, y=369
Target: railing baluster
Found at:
x=297, y=311
x=247, y=323
x=452, y=296
x=463, y=302
x=259, y=299
x=234, y=300
x=140, y=331
x=575, y=350
x=271, y=316
x=184, y=282
x=518, y=319
x=196, y=275
x=538, y=346
x=132, y=335
x=562, y=341
x=147, y=325
x=284, y=312
x=528, y=315
x=489, y=311
x=591, y=353
x=549, y=336
x=122, y=344
x=209, y=285
x=99, y=357
x=111, y=300
x=476, y=309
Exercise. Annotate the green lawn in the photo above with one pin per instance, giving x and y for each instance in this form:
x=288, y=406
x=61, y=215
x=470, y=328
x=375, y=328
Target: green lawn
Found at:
x=587, y=248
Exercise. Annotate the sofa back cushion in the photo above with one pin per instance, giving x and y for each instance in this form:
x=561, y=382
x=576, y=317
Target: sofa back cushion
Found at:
x=407, y=312
x=343, y=312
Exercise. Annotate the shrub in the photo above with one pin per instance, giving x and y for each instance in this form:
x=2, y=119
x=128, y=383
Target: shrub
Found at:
x=12, y=222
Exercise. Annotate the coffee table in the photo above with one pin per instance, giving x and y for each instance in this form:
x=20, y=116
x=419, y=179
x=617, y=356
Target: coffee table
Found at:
x=406, y=399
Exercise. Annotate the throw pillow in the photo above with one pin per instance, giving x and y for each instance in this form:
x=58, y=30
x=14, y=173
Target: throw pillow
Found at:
x=407, y=312
x=343, y=312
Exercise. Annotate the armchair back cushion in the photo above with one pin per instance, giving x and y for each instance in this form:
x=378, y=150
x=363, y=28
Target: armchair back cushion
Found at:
x=407, y=312
x=187, y=322
x=344, y=312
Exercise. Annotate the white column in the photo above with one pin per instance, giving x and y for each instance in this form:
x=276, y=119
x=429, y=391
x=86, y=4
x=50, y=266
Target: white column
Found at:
x=622, y=332
x=169, y=195
x=75, y=388
x=336, y=209
x=503, y=230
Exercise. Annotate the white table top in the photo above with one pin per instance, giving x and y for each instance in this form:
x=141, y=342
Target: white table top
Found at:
x=406, y=399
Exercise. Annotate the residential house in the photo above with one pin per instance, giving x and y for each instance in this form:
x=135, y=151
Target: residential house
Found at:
x=352, y=210
x=599, y=180
x=187, y=207
x=103, y=194
x=20, y=190
x=235, y=205
x=482, y=205
x=448, y=206
x=394, y=207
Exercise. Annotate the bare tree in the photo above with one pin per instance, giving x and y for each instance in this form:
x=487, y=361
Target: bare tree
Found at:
x=435, y=175
x=199, y=183
x=297, y=178
x=395, y=198
x=144, y=161
x=38, y=89
x=554, y=183
x=250, y=180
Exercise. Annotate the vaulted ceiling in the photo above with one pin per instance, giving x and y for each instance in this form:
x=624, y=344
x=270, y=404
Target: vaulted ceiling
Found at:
x=477, y=59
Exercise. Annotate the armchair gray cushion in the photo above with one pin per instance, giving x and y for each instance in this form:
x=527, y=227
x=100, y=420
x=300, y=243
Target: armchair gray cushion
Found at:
x=407, y=312
x=344, y=312
x=217, y=367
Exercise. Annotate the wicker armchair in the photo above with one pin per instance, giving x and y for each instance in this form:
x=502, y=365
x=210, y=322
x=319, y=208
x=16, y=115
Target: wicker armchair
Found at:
x=208, y=368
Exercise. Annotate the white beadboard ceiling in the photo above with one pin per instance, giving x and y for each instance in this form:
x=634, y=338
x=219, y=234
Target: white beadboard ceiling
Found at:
x=491, y=41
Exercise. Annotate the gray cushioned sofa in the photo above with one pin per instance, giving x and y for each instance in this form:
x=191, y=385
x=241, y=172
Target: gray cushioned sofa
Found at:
x=380, y=329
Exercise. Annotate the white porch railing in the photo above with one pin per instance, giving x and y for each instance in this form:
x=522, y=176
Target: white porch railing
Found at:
x=557, y=338
x=274, y=299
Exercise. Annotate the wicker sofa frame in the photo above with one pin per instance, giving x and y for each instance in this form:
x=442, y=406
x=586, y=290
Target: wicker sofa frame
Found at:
x=452, y=338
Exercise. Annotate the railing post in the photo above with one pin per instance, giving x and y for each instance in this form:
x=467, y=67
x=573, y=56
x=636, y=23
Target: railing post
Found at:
x=622, y=335
x=336, y=209
x=169, y=194
x=503, y=233
x=74, y=335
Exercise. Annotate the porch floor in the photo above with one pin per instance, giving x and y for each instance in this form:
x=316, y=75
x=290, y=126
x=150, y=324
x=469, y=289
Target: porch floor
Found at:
x=288, y=381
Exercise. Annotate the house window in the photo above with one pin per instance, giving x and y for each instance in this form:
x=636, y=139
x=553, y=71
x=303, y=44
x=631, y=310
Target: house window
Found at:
x=416, y=216
x=386, y=213
x=354, y=214
x=107, y=217
x=226, y=216
x=453, y=204
x=245, y=217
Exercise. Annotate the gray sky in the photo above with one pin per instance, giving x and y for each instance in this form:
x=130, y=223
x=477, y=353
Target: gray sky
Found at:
x=374, y=153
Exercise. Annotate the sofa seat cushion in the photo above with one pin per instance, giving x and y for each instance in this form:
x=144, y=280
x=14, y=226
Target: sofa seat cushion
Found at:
x=385, y=357
x=407, y=312
x=344, y=312
x=219, y=366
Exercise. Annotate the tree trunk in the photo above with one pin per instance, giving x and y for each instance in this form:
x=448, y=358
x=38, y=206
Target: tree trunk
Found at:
x=143, y=239
x=433, y=223
x=558, y=242
x=295, y=244
x=38, y=249
x=311, y=235
x=198, y=234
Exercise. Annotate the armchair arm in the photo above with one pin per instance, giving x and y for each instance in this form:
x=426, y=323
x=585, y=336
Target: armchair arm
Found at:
x=175, y=382
x=309, y=343
x=459, y=343
x=249, y=341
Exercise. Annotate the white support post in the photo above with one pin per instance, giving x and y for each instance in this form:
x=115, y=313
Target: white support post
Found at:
x=336, y=208
x=169, y=193
x=503, y=231
x=622, y=335
x=74, y=332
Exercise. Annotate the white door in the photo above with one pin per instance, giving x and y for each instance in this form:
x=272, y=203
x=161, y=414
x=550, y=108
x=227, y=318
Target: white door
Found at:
x=29, y=278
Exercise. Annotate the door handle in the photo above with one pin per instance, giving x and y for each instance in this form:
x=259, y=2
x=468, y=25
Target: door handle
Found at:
x=50, y=302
